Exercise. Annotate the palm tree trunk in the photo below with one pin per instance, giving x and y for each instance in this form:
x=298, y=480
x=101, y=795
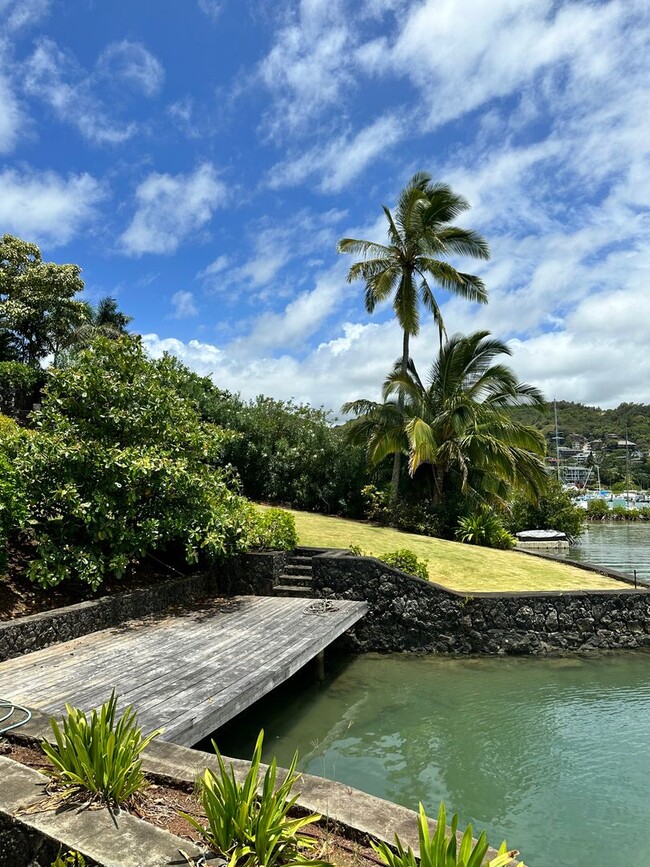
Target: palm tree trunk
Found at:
x=397, y=457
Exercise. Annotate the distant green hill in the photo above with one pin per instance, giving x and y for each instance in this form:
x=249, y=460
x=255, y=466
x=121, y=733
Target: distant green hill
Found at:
x=591, y=422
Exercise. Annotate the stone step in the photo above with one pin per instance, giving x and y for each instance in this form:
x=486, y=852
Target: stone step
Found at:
x=296, y=580
x=297, y=568
x=285, y=590
x=299, y=559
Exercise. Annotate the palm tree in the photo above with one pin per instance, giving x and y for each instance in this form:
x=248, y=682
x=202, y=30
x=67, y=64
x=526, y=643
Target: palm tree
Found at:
x=104, y=320
x=457, y=423
x=420, y=236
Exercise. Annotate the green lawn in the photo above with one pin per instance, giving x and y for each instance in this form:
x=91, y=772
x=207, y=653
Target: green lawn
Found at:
x=462, y=567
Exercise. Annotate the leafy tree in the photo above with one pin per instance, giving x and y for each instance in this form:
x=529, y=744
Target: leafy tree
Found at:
x=455, y=427
x=421, y=236
x=284, y=452
x=120, y=465
x=38, y=310
x=555, y=510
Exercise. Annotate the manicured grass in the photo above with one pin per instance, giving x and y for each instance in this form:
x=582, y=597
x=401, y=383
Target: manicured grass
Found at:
x=462, y=567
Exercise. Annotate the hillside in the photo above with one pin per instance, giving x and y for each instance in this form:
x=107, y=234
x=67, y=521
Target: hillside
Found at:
x=591, y=422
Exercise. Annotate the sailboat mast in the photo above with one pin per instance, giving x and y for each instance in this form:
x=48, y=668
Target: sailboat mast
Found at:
x=557, y=443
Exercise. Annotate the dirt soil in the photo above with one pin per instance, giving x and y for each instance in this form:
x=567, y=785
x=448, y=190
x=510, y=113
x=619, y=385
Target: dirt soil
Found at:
x=161, y=802
x=20, y=597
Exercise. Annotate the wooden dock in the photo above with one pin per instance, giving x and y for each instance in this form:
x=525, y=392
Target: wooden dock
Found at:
x=188, y=673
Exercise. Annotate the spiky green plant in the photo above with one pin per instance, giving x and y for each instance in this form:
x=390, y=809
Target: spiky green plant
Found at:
x=441, y=850
x=250, y=824
x=98, y=754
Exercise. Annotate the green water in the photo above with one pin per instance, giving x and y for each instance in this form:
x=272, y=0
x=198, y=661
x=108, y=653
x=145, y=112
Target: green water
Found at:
x=553, y=755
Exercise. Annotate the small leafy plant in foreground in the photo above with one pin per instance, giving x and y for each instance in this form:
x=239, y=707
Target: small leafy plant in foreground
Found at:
x=99, y=754
x=69, y=859
x=441, y=850
x=251, y=825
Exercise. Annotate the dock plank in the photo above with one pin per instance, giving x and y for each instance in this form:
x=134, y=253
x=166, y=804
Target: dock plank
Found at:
x=189, y=672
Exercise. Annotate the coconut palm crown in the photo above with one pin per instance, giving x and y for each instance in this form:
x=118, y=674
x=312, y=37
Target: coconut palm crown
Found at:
x=420, y=239
x=457, y=422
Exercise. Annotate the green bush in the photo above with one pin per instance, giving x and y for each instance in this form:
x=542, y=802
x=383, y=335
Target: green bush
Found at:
x=120, y=465
x=442, y=850
x=273, y=529
x=19, y=386
x=407, y=561
x=251, y=829
x=554, y=511
x=99, y=755
x=484, y=528
x=13, y=508
x=597, y=508
x=413, y=515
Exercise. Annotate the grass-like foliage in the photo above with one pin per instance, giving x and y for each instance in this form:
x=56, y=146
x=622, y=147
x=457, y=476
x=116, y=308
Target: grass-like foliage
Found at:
x=99, y=754
x=249, y=822
x=441, y=850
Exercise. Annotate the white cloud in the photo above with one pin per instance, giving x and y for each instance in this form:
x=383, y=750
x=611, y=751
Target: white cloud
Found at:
x=131, y=63
x=460, y=66
x=22, y=13
x=307, y=68
x=342, y=159
x=169, y=208
x=184, y=305
x=46, y=207
x=96, y=102
x=211, y=8
x=10, y=116
x=273, y=245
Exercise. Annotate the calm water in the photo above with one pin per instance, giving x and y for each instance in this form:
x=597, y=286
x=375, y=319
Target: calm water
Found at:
x=623, y=546
x=553, y=755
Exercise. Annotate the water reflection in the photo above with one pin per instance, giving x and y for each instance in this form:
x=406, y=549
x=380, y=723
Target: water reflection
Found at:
x=551, y=754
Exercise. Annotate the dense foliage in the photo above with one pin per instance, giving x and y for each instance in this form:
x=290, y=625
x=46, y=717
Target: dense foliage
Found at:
x=484, y=527
x=273, y=529
x=120, y=465
x=20, y=386
x=555, y=510
x=38, y=309
x=13, y=508
x=283, y=452
x=461, y=443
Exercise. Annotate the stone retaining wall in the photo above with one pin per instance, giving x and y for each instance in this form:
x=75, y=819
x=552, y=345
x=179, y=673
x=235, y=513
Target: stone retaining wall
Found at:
x=408, y=613
x=253, y=573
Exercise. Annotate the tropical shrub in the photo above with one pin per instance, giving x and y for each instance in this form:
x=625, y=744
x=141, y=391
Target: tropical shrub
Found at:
x=597, y=508
x=407, y=561
x=440, y=850
x=120, y=465
x=412, y=514
x=274, y=529
x=99, y=754
x=555, y=510
x=284, y=452
x=484, y=528
x=251, y=828
x=19, y=386
x=13, y=509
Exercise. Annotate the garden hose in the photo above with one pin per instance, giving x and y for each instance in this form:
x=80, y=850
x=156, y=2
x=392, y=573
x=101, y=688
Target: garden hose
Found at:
x=8, y=708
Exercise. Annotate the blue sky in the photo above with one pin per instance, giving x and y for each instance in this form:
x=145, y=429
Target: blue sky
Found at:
x=200, y=159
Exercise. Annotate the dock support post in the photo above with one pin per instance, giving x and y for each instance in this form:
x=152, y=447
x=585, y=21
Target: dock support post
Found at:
x=320, y=666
